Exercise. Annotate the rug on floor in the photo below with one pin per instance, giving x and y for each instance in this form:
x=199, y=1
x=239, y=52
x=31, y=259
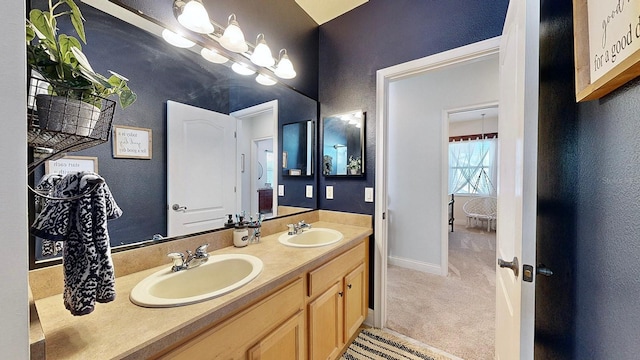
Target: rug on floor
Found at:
x=374, y=344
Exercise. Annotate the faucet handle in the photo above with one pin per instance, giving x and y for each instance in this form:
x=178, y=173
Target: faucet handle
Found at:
x=292, y=229
x=202, y=249
x=177, y=258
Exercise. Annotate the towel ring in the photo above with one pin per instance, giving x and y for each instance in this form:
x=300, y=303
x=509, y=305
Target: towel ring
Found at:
x=97, y=183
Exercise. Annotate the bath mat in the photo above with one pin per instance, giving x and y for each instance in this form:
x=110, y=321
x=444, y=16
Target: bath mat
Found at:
x=374, y=344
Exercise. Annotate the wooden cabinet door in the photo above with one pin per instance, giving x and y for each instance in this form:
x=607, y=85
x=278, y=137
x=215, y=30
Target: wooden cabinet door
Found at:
x=326, y=324
x=285, y=342
x=355, y=301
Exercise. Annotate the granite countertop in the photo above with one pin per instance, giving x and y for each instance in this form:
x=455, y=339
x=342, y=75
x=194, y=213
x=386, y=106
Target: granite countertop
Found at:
x=122, y=330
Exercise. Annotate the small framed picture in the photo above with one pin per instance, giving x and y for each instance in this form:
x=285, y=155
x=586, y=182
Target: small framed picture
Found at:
x=132, y=142
x=68, y=164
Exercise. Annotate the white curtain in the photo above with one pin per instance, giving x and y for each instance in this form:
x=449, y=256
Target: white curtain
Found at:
x=472, y=167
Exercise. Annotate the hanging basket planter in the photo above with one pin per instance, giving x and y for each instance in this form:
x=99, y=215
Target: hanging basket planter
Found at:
x=70, y=116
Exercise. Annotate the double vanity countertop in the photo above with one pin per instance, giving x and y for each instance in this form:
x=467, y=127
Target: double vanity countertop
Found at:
x=122, y=330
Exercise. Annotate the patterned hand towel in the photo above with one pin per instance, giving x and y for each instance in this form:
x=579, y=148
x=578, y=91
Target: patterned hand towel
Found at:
x=45, y=186
x=82, y=225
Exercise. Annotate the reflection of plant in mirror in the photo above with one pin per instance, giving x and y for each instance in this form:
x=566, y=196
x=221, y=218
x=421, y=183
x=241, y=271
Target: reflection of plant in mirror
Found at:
x=59, y=59
x=327, y=165
x=354, y=164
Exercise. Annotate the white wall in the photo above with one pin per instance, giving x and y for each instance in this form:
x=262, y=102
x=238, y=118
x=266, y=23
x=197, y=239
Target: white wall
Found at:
x=14, y=317
x=416, y=139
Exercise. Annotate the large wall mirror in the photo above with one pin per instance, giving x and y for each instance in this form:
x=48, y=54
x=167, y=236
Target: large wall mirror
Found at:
x=297, y=148
x=343, y=144
x=159, y=72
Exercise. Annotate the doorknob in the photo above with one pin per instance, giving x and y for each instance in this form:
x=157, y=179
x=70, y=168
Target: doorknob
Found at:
x=177, y=207
x=513, y=265
x=527, y=272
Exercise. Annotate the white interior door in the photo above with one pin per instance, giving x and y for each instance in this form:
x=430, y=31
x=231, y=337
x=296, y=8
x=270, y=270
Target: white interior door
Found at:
x=517, y=179
x=201, y=168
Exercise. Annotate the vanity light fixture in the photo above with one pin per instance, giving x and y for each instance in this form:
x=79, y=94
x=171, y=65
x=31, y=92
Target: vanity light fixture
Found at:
x=195, y=17
x=261, y=55
x=213, y=56
x=265, y=80
x=176, y=40
x=242, y=69
x=284, y=68
x=233, y=38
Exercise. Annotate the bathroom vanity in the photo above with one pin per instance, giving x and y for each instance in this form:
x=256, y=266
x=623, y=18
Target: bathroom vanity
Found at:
x=306, y=304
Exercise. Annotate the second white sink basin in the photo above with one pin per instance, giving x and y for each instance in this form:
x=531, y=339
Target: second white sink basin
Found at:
x=311, y=238
x=219, y=275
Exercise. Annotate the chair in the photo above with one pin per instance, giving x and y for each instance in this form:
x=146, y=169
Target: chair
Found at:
x=481, y=209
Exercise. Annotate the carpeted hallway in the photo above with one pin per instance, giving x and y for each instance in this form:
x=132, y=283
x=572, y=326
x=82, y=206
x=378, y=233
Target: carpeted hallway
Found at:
x=456, y=313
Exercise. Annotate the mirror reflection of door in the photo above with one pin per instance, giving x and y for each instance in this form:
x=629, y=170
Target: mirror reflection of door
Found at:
x=262, y=187
x=343, y=144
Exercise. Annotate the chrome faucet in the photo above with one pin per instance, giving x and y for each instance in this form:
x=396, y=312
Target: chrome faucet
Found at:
x=192, y=259
x=294, y=229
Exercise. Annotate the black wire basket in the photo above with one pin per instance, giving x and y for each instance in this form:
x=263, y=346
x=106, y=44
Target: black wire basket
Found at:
x=58, y=124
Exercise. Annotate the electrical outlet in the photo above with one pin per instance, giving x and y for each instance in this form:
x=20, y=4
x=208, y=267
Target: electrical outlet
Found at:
x=310, y=191
x=368, y=194
x=280, y=190
x=329, y=192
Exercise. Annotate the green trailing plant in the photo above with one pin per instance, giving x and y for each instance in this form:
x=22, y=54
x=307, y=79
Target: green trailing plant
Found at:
x=61, y=62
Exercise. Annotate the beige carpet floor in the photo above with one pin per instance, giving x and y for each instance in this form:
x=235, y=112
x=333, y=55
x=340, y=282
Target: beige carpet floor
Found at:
x=455, y=313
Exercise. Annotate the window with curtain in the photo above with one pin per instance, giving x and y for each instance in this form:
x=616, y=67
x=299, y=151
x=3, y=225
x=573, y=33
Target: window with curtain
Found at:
x=472, y=167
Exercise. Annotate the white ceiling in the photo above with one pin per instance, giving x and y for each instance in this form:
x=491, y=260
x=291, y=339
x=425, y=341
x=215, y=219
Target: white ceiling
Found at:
x=322, y=11
x=476, y=114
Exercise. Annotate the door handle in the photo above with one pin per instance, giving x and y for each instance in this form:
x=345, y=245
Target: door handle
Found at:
x=527, y=272
x=177, y=207
x=513, y=265
x=542, y=270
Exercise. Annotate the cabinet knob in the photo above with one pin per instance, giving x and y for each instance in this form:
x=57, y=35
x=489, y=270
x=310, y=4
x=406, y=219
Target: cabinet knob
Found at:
x=349, y=286
x=340, y=293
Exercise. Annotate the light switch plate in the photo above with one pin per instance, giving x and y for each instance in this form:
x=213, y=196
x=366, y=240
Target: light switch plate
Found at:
x=329, y=192
x=368, y=194
x=280, y=190
x=309, y=191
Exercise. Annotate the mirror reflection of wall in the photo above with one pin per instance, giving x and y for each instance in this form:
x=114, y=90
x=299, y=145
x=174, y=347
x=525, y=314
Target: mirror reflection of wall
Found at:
x=343, y=144
x=297, y=148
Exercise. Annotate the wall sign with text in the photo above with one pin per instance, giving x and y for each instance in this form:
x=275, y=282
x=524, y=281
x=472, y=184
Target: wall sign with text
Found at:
x=71, y=164
x=131, y=142
x=607, y=45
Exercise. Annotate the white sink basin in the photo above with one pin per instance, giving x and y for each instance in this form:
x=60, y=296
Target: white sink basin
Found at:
x=219, y=275
x=312, y=238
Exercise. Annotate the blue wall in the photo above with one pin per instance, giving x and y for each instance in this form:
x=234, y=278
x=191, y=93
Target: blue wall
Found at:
x=376, y=35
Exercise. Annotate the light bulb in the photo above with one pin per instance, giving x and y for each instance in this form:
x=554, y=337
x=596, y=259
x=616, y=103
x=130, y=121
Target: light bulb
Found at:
x=262, y=54
x=233, y=38
x=195, y=18
x=284, y=69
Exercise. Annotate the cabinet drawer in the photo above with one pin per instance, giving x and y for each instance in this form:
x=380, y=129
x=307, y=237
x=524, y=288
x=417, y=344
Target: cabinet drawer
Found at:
x=321, y=278
x=245, y=328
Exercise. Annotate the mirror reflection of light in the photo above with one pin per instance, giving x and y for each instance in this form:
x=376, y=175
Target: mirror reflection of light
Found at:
x=176, y=40
x=265, y=80
x=213, y=56
x=242, y=69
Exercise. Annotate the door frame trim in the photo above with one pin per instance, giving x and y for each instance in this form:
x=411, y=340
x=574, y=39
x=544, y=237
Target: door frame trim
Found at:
x=383, y=78
x=250, y=112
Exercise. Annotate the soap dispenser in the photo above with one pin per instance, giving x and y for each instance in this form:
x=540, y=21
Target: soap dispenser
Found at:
x=240, y=235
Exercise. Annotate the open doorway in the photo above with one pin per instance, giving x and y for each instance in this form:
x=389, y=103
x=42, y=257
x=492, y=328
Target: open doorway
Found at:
x=415, y=259
x=257, y=139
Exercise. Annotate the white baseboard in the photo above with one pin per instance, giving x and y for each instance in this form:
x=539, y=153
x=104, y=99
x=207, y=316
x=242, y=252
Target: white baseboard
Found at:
x=415, y=265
